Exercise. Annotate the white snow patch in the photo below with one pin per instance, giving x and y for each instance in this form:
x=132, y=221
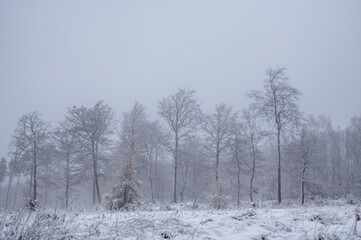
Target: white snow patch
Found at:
x=314, y=222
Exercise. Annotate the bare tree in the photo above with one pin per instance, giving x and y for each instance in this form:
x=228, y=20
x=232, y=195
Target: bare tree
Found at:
x=277, y=103
x=252, y=135
x=182, y=113
x=199, y=168
x=3, y=173
x=68, y=150
x=132, y=128
x=336, y=160
x=31, y=135
x=16, y=167
x=308, y=141
x=218, y=129
x=302, y=148
x=152, y=147
x=319, y=177
x=353, y=155
x=189, y=155
x=3, y=170
x=93, y=126
x=237, y=148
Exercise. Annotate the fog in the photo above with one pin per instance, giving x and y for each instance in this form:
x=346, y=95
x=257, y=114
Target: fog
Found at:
x=209, y=119
x=57, y=54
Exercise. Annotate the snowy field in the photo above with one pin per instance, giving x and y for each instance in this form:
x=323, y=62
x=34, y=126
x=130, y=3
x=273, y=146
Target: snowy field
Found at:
x=334, y=221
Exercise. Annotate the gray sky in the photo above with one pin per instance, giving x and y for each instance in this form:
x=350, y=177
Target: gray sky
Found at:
x=55, y=54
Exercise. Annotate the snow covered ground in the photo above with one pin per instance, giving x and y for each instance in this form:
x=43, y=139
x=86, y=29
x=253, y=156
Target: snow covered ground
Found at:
x=335, y=221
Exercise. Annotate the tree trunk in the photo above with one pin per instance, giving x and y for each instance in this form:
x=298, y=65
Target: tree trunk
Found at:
x=97, y=185
x=238, y=183
x=194, y=181
x=151, y=189
x=67, y=184
x=8, y=191
x=303, y=185
x=175, y=169
x=97, y=179
x=46, y=191
x=34, y=173
x=184, y=183
x=218, y=186
x=217, y=165
x=31, y=181
x=253, y=171
x=94, y=196
x=279, y=165
x=96, y=190
x=16, y=191
x=151, y=179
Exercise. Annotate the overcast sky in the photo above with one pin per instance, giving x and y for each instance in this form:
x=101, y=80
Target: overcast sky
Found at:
x=55, y=54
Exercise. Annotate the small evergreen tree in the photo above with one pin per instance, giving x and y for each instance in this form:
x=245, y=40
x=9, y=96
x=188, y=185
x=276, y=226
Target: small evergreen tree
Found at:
x=219, y=199
x=124, y=194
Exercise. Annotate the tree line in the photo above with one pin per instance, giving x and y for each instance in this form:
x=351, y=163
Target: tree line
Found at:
x=267, y=150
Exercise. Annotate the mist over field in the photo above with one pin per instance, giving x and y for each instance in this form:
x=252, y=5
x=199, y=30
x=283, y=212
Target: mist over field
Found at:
x=180, y=120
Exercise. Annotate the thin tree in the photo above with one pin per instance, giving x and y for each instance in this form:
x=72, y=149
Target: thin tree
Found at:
x=277, y=103
x=68, y=150
x=16, y=167
x=303, y=148
x=237, y=148
x=132, y=128
x=152, y=147
x=218, y=131
x=3, y=172
x=189, y=156
x=31, y=135
x=182, y=113
x=353, y=155
x=93, y=127
x=307, y=145
x=252, y=135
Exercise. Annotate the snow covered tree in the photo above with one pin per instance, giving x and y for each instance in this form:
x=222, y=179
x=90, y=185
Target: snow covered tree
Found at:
x=277, y=104
x=219, y=198
x=124, y=193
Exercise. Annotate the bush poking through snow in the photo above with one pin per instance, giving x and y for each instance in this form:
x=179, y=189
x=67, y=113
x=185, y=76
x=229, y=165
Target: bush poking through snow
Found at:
x=249, y=214
x=219, y=199
x=31, y=204
x=165, y=235
x=357, y=219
